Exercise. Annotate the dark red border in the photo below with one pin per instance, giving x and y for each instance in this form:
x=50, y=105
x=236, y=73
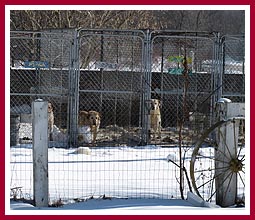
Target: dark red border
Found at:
x=123, y=2
x=127, y=2
x=252, y=122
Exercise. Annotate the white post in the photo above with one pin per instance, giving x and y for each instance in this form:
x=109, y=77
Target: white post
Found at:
x=40, y=152
x=226, y=183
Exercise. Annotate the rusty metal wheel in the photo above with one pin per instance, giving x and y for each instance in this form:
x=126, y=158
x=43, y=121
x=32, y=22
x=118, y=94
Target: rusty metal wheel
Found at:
x=217, y=168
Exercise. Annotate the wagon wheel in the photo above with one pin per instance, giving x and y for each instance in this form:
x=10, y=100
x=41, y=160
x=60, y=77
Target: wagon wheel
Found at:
x=211, y=167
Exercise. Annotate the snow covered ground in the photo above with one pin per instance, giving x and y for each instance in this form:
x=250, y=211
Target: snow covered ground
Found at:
x=106, y=178
x=120, y=172
x=191, y=206
x=114, y=204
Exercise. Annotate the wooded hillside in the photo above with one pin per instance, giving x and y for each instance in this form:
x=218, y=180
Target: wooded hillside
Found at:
x=223, y=21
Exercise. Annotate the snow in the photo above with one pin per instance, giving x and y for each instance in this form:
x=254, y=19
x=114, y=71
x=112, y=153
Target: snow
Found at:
x=114, y=204
x=128, y=207
x=117, y=207
x=106, y=178
x=122, y=172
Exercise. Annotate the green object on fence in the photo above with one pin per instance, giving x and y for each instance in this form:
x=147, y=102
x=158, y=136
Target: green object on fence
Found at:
x=179, y=59
x=176, y=71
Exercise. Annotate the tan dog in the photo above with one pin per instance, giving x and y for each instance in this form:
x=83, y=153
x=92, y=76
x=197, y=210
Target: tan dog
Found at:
x=50, y=120
x=155, y=117
x=91, y=119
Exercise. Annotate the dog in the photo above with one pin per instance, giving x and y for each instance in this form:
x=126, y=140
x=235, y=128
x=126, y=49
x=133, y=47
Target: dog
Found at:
x=92, y=119
x=50, y=121
x=155, y=118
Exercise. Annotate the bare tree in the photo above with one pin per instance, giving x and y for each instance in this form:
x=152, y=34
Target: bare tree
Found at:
x=226, y=22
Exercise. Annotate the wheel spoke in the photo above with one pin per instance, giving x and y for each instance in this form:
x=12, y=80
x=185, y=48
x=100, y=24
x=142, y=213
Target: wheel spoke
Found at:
x=206, y=183
x=211, y=169
x=241, y=178
x=229, y=181
x=213, y=158
x=243, y=158
x=212, y=195
x=214, y=177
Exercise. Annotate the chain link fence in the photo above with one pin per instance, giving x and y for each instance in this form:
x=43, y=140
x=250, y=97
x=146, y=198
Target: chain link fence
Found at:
x=233, y=70
x=168, y=82
x=40, y=68
x=111, y=82
x=117, y=73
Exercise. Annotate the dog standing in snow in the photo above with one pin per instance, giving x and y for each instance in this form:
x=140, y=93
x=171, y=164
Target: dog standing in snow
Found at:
x=155, y=118
x=50, y=120
x=89, y=119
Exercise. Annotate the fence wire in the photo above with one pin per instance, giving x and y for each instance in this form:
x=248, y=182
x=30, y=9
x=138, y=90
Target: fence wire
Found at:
x=233, y=73
x=116, y=73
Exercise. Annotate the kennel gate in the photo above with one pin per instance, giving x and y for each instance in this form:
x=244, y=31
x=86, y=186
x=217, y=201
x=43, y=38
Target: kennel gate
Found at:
x=41, y=67
x=169, y=52
x=113, y=81
x=233, y=68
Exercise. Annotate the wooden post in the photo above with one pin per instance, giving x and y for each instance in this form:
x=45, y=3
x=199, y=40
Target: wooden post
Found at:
x=40, y=152
x=225, y=182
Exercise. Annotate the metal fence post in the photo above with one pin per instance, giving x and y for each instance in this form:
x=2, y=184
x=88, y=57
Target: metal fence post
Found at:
x=40, y=152
x=146, y=92
x=74, y=75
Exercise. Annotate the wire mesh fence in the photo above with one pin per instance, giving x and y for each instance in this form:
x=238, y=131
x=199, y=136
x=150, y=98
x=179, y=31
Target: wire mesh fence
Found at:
x=233, y=79
x=168, y=81
x=117, y=73
x=112, y=83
